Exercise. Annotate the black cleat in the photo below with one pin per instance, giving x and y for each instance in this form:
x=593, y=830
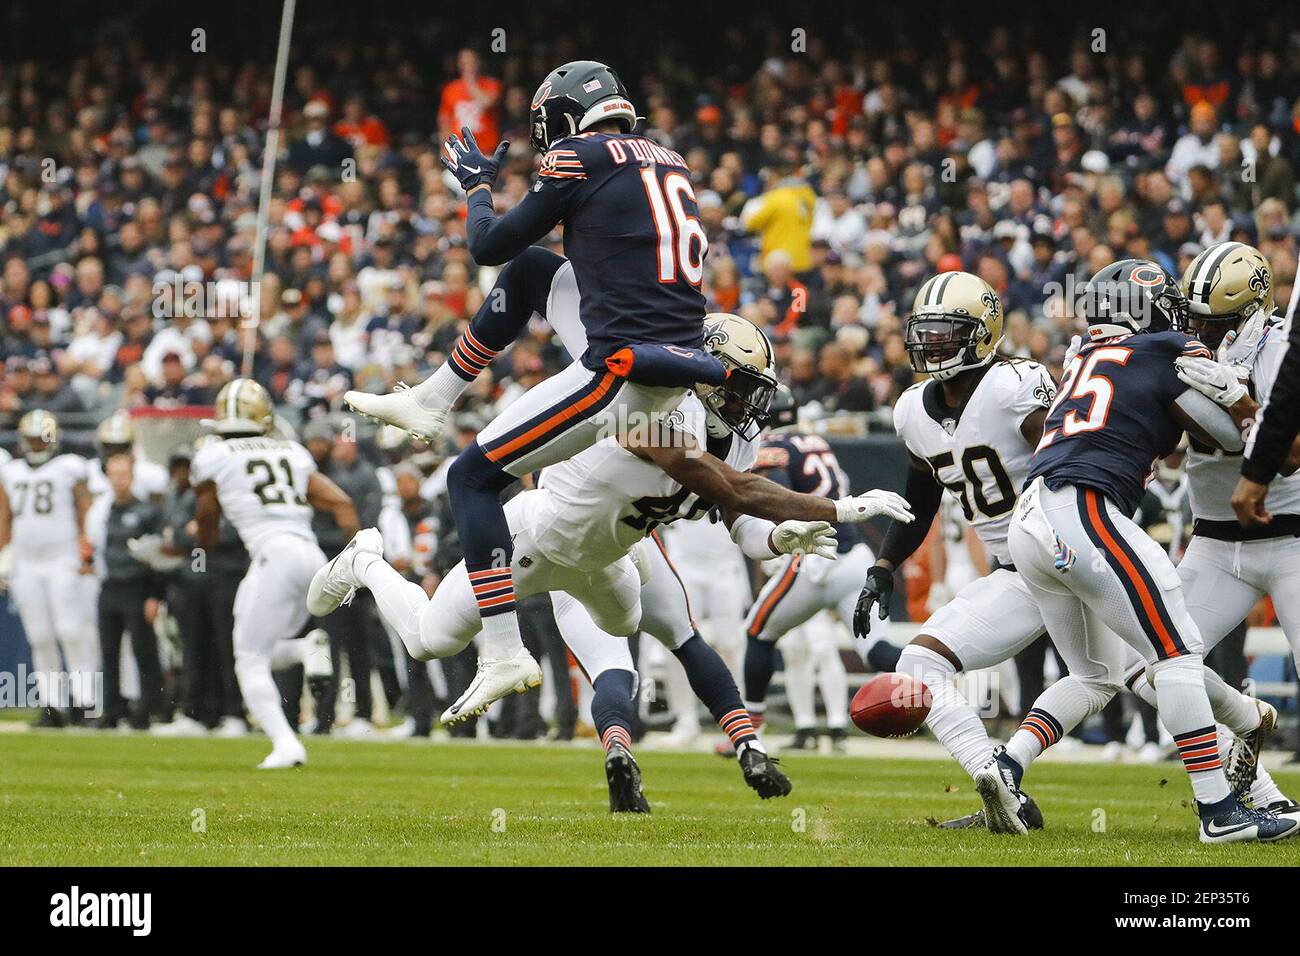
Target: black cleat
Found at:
x=805, y=738
x=762, y=773
x=839, y=740
x=624, y=778
x=49, y=718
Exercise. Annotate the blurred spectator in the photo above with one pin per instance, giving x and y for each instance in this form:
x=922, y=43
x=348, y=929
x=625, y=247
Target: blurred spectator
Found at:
x=471, y=100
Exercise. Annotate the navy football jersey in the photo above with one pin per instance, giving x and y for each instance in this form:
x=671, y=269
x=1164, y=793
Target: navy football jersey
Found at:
x=1111, y=418
x=806, y=463
x=632, y=231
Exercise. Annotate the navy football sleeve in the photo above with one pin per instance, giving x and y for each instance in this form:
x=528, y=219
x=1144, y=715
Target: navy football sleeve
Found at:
x=494, y=240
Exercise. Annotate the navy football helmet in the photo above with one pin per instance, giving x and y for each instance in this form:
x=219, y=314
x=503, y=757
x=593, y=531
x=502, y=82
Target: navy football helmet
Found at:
x=1133, y=296
x=574, y=97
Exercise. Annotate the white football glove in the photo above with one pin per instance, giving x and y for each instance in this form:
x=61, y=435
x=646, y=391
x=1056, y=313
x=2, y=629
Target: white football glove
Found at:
x=1076, y=344
x=1219, y=383
x=858, y=508
x=805, y=537
x=1238, y=346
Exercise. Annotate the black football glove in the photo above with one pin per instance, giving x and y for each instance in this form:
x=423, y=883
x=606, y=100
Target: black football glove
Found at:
x=879, y=589
x=462, y=157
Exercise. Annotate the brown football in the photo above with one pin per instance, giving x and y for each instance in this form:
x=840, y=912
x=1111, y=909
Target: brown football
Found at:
x=890, y=705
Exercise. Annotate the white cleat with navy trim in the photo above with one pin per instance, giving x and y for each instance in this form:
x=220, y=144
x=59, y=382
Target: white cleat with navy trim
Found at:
x=494, y=680
x=402, y=409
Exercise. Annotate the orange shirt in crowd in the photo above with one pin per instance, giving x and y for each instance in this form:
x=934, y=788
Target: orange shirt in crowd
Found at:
x=459, y=108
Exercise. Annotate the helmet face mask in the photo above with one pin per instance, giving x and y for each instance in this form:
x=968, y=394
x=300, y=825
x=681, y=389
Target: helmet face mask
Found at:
x=742, y=402
x=938, y=345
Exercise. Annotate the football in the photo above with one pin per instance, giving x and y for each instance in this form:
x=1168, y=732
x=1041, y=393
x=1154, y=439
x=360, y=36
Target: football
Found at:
x=890, y=705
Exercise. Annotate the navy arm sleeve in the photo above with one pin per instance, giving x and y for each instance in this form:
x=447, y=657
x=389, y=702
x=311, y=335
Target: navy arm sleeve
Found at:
x=494, y=240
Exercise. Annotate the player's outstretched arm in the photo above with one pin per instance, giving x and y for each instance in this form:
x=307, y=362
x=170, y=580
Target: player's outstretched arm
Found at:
x=494, y=240
x=746, y=493
x=325, y=496
x=923, y=493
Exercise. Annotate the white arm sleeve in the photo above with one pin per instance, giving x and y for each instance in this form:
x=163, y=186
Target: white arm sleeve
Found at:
x=1212, y=417
x=754, y=536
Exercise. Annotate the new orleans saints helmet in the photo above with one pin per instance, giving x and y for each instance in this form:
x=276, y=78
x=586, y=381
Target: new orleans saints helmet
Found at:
x=956, y=325
x=116, y=434
x=1225, y=285
x=1133, y=296
x=243, y=408
x=741, y=403
x=38, y=436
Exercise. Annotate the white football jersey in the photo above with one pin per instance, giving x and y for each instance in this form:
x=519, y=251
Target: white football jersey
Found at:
x=43, y=506
x=1214, y=473
x=261, y=484
x=604, y=500
x=977, y=452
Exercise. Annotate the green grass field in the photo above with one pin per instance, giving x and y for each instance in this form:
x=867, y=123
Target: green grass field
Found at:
x=88, y=799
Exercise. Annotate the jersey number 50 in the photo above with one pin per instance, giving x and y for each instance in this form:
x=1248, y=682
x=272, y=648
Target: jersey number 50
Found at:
x=682, y=241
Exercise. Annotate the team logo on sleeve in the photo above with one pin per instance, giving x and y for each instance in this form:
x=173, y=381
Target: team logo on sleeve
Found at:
x=1044, y=393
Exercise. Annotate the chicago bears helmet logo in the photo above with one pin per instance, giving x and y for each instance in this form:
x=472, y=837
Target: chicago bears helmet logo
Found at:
x=542, y=93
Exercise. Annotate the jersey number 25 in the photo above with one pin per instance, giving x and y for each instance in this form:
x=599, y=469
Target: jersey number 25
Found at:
x=1083, y=381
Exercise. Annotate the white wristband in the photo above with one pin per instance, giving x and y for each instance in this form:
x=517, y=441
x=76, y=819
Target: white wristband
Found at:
x=754, y=535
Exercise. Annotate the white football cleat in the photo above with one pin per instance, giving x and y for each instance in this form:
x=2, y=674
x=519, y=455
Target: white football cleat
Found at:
x=288, y=754
x=335, y=584
x=358, y=728
x=317, y=662
x=401, y=409
x=1001, y=802
x=494, y=680
x=181, y=726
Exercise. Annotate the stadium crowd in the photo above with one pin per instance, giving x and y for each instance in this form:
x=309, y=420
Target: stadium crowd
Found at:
x=833, y=177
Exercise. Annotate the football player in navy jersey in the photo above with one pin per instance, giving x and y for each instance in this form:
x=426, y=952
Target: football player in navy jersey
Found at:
x=1125, y=401
x=636, y=247
x=805, y=584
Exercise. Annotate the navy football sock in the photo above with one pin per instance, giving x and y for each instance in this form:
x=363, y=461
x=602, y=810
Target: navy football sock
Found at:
x=712, y=684
x=613, y=707
x=474, y=486
x=760, y=665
